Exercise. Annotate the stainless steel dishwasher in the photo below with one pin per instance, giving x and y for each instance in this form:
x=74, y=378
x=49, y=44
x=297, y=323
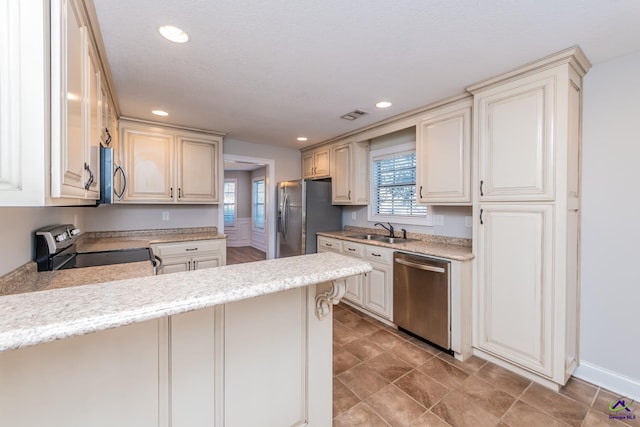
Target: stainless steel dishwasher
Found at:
x=421, y=295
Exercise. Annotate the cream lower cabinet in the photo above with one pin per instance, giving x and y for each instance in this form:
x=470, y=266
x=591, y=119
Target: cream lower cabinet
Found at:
x=189, y=256
x=526, y=217
x=350, y=177
x=202, y=368
x=515, y=292
x=372, y=291
x=168, y=165
x=443, y=155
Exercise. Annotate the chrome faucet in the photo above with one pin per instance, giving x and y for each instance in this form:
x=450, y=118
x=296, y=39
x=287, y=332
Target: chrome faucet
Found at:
x=389, y=229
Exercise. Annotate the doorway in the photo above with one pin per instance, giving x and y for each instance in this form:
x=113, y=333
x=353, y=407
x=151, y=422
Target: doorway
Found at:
x=247, y=210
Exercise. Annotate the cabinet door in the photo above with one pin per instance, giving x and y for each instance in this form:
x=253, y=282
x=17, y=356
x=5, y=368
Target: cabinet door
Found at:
x=197, y=170
x=321, y=163
x=69, y=54
x=378, y=291
x=176, y=265
x=515, y=140
x=354, y=283
x=148, y=161
x=341, y=181
x=308, y=166
x=207, y=262
x=443, y=155
x=94, y=106
x=515, y=284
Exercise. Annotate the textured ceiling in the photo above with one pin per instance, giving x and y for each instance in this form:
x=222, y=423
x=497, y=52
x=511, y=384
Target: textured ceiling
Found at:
x=270, y=71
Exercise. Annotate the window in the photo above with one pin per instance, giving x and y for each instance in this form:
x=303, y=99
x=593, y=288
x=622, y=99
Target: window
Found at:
x=230, y=198
x=393, y=186
x=257, y=207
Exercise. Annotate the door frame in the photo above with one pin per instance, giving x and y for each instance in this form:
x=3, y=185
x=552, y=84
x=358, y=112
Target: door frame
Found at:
x=270, y=192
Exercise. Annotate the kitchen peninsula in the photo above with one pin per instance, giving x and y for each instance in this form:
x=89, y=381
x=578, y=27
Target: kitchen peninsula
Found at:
x=239, y=345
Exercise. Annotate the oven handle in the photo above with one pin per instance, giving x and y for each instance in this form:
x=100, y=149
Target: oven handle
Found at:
x=420, y=266
x=157, y=265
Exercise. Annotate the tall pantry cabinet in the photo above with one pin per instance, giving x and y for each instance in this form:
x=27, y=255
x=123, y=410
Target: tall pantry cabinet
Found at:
x=526, y=201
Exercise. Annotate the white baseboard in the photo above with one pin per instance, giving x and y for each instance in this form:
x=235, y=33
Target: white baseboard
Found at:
x=612, y=381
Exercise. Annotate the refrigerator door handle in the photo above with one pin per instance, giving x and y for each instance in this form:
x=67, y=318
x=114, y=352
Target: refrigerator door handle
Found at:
x=285, y=216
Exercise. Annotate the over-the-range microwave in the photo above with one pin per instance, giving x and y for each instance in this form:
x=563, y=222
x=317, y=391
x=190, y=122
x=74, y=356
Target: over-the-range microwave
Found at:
x=108, y=172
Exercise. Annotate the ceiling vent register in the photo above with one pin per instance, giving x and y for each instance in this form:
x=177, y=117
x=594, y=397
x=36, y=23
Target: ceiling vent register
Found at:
x=353, y=115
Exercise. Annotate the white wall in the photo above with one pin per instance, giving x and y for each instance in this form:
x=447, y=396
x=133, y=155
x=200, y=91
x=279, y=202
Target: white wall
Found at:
x=287, y=160
x=145, y=217
x=610, y=341
x=18, y=226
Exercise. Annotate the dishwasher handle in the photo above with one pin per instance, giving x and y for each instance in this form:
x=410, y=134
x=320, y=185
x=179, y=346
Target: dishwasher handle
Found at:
x=424, y=267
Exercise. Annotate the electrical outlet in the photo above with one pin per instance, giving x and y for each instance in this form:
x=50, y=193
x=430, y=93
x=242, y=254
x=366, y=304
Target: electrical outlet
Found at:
x=354, y=215
x=468, y=221
x=165, y=216
x=438, y=220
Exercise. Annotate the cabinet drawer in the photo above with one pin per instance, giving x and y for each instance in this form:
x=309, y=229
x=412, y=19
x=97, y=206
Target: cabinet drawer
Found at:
x=325, y=244
x=191, y=248
x=378, y=254
x=353, y=249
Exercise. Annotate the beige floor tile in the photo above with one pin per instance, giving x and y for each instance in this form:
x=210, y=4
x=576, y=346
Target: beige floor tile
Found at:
x=555, y=404
x=343, y=398
x=363, y=327
x=603, y=400
x=343, y=335
x=343, y=360
x=388, y=366
x=504, y=380
x=597, y=419
x=411, y=353
x=524, y=415
x=385, y=339
x=425, y=346
x=363, y=381
x=470, y=365
x=428, y=419
x=495, y=401
x=443, y=372
x=579, y=390
x=395, y=407
x=364, y=349
x=360, y=415
x=345, y=316
x=458, y=410
x=422, y=388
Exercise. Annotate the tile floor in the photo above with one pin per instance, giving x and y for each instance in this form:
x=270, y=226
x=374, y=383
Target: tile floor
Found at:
x=383, y=377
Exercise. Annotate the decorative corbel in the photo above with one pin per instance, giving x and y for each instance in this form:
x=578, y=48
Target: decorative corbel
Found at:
x=325, y=300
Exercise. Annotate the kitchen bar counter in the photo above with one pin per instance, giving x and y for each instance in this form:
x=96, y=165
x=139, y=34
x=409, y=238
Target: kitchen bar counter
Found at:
x=426, y=245
x=37, y=317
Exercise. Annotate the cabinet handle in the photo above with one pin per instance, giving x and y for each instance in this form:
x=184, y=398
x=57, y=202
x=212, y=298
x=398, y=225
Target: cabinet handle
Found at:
x=171, y=189
x=329, y=245
x=349, y=195
x=191, y=249
x=375, y=254
x=188, y=265
x=351, y=249
x=107, y=140
x=481, y=192
x=421, y=191
x=124, y=182
x=179, y=192
x=481, y=222
x=89, y=182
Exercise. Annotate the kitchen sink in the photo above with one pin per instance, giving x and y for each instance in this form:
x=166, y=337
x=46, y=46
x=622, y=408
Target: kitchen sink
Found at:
x=381, y=238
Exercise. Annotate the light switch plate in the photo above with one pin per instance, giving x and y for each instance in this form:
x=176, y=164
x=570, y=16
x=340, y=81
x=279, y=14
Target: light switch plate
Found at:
x=354, y=215
x=165, y=216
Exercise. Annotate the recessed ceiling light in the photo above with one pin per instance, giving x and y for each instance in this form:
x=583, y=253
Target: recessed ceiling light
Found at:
x=383, y=104
x=173, y=34
x=160, y=113
x=302, y=138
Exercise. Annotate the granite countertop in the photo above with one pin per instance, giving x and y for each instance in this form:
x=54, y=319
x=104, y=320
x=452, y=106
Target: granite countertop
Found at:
x=443, y=247
x=37, y=317
x=115, y=240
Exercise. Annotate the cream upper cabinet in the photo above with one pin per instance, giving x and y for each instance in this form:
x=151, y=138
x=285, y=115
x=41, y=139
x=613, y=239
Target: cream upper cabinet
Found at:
x=198, y=160
x=526, y=197
x=316, y=164
x=94, y=127
x=443, y=155
x=169, y=165
x=350, y=180
x=515, y=137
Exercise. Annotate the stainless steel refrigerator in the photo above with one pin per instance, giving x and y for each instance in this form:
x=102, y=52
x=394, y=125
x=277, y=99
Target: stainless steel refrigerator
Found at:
x=304, y=208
